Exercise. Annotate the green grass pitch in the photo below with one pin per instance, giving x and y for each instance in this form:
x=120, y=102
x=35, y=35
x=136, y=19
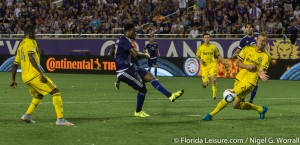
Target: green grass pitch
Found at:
x=104, y=116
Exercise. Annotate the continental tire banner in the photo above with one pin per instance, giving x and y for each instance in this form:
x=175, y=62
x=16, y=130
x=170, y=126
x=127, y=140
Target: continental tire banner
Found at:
x=104, y=65
x=280, y=48
x=78, y=64
x=167, y=66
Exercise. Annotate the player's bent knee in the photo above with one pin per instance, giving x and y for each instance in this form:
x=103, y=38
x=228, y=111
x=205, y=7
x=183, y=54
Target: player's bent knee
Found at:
x=149, y=77
x=54, y=91
x=143, y=90
x=236, y=106
x=56, y=94
x=213, y=79
x=39, y=96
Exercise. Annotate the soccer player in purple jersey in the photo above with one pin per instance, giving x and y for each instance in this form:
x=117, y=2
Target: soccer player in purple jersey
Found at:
x=134, y=76
x=248, y=40
x=152, y=49
x=133, y=60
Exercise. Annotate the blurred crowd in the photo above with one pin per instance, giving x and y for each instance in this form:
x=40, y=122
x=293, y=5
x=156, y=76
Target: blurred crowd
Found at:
x=185, y=18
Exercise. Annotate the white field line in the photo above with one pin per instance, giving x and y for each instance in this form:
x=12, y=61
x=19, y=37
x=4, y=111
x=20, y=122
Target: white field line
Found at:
x=133, y=100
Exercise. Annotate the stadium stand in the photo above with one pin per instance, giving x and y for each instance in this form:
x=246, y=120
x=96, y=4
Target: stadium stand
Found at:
x=158, y=16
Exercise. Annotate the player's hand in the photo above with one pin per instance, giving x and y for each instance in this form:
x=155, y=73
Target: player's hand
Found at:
x=263, y=76
x=201, y=61
x=43, y=79
x=147, y=55
x=13, y=84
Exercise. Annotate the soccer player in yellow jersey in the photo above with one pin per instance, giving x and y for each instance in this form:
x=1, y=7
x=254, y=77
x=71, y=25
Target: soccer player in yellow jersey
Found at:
x=28, y=58
x=253, y=61
x=206, y=54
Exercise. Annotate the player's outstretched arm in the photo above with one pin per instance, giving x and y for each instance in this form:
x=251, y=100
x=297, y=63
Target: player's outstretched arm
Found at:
x=145, y=50
x=200, y=60
x=250, y=67
x=136, y=54
x=223, y=61
x=112, y=51
x=13, y=83
x=35, y=65
x=236, y=53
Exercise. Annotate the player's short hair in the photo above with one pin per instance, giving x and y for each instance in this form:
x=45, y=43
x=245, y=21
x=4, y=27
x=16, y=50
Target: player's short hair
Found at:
x=204, y=34
x=264, y=34
x=250, y=24
x=128, y=26
x=29, y=30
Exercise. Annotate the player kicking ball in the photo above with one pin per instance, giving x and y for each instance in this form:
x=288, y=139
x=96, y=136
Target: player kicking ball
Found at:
x=134, y=76
x=253, y=61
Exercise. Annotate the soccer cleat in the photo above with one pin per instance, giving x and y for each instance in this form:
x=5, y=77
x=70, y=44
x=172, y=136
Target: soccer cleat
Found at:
x=262, y=114
x=214, y=98
x=141, y=114
x=204, y=86
x=117, y=86
x=27, y=118
x=63, y=122
x=207, y=117
x=176, y=95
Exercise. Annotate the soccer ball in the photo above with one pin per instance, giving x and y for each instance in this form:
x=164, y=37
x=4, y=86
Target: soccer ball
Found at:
x=229, y=95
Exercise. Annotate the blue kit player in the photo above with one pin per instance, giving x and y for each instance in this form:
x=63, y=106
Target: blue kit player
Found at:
x=152, y=49
x=248, y=40
x=133, y=60
x=134, y=76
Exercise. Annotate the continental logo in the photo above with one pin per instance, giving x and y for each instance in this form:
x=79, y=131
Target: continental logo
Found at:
x=283, y=49
x=90, y=64
x=191, y=67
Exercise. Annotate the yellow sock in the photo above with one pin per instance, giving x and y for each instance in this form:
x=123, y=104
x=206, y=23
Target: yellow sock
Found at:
x=58, y=105
x=214, y=89
x=222, y=104
x=249, y=106
x=34, y=103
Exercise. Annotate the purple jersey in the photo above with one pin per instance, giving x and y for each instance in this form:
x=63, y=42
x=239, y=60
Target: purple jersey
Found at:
x=248, y=41
x=293, y=29
x=122, y=54
x=152, y=50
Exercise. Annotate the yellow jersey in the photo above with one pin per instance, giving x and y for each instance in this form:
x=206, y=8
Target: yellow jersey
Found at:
x=249, y=55
x=26, y=47
x=207, y=53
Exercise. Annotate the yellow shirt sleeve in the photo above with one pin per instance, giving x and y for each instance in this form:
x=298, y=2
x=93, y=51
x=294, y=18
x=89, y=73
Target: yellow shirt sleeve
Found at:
x=217, y=53
x=17, y=58
x=27, y=47
x=243, y=53
x=266, y=61
x=198, y=53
